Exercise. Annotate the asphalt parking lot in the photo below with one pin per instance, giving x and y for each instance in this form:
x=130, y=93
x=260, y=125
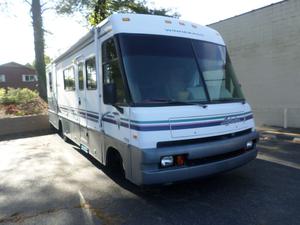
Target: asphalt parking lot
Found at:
x=46, y=181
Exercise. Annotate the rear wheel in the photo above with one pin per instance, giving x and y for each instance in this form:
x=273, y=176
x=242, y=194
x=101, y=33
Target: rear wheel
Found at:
x=61, y=132
x=52, y=128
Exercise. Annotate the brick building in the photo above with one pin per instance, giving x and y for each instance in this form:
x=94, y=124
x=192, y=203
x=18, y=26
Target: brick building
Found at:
x=265, y=50
x=17, y=76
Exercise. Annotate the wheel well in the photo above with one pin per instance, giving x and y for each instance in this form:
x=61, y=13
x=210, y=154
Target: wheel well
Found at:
x=60, y=127
x=113, y=155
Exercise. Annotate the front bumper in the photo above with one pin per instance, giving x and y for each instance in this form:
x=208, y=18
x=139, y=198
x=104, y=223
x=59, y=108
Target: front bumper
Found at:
x=146, y=169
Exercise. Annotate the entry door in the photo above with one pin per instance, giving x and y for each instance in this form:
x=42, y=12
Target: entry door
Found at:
x=81, y=112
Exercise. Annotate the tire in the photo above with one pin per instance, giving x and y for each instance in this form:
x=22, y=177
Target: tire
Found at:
x=62, y=133
x=52, y=129
x=115, y=164
x=65, y=138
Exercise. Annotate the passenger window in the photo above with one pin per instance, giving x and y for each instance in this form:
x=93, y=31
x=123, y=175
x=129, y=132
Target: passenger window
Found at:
x=111, y=69
x=91, y=77
x=69, y=79
x=80, y=76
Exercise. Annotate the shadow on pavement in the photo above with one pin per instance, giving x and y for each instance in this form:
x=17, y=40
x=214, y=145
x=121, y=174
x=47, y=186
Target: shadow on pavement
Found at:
x=262, y=192
x=51, y=184
x=25, y=135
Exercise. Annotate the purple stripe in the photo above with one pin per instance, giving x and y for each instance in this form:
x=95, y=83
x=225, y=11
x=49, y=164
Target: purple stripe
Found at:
x=109, y=120
x=122, y=124
x=91, y=117
x=173, y=127
x=249, y=117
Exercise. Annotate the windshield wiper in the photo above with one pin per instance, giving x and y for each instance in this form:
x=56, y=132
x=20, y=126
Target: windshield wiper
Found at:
x=220, y=100
x=174, y=102
x=157, y=100
x=186, y=103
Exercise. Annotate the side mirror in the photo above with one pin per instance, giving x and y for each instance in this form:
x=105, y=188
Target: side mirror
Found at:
x=109, y=94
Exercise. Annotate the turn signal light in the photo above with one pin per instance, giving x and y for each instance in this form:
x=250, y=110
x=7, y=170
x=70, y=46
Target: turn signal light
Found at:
x=126, y=19
x=180, y=160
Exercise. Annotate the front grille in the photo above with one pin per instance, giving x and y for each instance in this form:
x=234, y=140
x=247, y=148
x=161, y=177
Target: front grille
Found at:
x=201, y=140
x=216, y=158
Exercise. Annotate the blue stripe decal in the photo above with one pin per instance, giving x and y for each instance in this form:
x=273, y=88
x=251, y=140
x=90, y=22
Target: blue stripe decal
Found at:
x=93, y=116
x=164, y=124
x=175, y=126
x=178, y=121
x=77, y=109
x=188, y=120
x=83, y=114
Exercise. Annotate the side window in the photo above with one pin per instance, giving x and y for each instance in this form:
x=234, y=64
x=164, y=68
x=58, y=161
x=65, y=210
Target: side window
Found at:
x=29, y=78
x=2, y=78
x=111, y=69
x=80, y=76
x=69, y=79
x=91, y=78
x=50, y=81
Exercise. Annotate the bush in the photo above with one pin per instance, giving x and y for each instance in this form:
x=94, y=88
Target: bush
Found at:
x=17, y=96
x=2, y=94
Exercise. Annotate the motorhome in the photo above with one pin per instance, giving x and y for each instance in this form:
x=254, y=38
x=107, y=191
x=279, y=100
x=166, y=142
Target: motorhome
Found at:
x=153, y=97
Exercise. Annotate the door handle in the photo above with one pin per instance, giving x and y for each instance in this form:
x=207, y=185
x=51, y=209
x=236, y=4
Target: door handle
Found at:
x=117, y=118
x=79, y=101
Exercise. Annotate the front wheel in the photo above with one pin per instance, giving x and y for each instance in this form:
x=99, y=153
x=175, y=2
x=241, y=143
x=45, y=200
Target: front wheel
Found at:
x=115, y=164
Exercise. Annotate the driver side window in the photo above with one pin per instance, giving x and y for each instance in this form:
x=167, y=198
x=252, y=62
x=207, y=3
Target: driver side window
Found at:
x=111, y=69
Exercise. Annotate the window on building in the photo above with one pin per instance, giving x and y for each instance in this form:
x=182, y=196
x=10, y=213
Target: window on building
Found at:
x=2, y=78
x=80, y=76
x=69, y=79
x=111, y=69
x=29, y=78
x=50, y=81
x=91, y=77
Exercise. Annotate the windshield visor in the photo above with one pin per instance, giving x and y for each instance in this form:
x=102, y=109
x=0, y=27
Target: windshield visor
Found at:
x=162, y=69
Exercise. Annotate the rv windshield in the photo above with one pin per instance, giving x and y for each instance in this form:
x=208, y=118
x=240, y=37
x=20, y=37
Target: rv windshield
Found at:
x=163, y=69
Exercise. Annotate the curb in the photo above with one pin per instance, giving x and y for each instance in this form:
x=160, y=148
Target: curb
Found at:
x=23, y=125
x=268, y=133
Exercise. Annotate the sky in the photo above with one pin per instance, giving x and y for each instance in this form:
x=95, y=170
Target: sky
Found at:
x=16, y=36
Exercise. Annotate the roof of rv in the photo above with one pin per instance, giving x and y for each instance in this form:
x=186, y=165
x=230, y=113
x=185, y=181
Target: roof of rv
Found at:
x=160, y=25
x=148, y=24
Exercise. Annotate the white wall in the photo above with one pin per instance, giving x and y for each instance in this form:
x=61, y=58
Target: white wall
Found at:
x=265, y=49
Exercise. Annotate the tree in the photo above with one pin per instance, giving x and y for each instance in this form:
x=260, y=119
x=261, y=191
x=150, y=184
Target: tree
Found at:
x=29, y=66
x=47, y=60
x=39, y=43
x=39, y=46
x=97, y=10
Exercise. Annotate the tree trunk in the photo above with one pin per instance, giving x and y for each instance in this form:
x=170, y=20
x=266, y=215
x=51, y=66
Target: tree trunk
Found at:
x=39, y=45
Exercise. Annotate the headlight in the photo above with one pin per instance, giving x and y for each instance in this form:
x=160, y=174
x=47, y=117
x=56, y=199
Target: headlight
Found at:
x=167, y=161
x=249, y=145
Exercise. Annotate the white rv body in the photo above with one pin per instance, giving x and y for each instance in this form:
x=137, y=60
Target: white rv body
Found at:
x=211, y=137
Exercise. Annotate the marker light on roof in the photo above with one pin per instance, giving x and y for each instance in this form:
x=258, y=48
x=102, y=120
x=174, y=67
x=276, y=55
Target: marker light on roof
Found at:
x=126, y=19
x=194, y=26
x=181, y=23
x=168, y=21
